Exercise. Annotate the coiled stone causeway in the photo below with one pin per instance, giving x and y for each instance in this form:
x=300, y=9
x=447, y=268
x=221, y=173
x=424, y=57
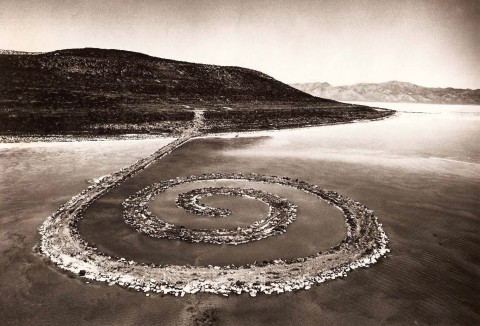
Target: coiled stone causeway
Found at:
x=365, y=243
x=137, y=214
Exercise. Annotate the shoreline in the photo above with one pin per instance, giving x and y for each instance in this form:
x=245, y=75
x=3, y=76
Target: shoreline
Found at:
x=20, y=139
x=32, y=138
x=247, y=133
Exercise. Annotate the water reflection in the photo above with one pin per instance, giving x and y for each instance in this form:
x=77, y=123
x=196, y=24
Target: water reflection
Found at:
x=436, y=138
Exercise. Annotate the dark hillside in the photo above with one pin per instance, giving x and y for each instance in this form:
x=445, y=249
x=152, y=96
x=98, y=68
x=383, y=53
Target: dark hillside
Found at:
x=120, y=77
x=112, y=91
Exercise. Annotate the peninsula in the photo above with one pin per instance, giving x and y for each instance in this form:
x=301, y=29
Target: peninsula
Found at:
x=94, y=93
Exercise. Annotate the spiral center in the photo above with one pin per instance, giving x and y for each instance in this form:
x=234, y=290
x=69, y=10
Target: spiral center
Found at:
x=190, y=201
x=138, y=215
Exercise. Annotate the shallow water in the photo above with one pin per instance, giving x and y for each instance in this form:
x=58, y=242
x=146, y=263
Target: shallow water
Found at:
x=419, y=171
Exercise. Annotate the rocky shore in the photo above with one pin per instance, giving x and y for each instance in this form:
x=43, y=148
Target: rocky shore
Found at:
x=366, y=242
x=14, y=139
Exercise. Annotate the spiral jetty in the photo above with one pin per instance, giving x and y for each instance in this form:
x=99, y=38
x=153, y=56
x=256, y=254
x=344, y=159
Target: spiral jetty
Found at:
x=365, y=243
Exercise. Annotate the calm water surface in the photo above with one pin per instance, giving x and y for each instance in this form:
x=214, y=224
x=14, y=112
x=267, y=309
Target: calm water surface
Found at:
x=421, y=137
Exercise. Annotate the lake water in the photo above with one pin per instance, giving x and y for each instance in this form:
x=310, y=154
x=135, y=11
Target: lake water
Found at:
x=419, y=171
x=421, y=137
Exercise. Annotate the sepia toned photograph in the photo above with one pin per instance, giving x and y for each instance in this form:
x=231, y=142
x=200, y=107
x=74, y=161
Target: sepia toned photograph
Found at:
x=204, y=162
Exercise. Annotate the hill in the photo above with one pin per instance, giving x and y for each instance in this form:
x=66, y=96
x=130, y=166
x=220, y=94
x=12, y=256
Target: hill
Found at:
x=112, y=91
x=133, y=77
x=392, y=91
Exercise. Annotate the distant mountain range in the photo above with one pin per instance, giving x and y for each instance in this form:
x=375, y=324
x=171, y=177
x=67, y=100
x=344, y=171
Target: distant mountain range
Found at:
x=392, y=91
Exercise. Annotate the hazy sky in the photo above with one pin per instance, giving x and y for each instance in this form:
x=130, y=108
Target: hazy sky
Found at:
x=431, y=43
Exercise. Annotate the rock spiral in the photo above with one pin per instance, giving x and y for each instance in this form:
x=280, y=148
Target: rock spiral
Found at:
x=137, y=214
x=61, y=242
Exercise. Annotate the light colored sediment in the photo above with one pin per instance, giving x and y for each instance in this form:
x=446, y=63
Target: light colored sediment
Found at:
x=365, y=243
